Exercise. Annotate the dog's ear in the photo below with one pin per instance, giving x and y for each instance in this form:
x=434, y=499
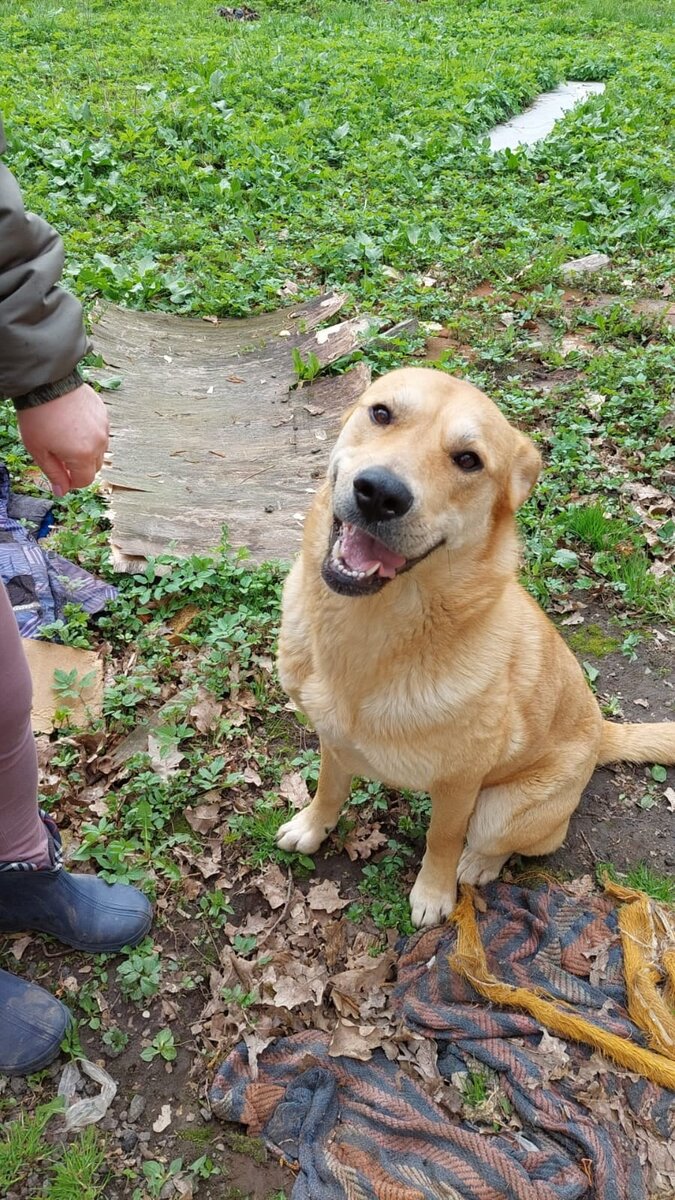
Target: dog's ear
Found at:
x=525, y=468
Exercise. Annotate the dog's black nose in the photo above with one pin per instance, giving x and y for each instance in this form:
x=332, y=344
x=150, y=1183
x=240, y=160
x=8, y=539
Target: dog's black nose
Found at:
x=381, y=495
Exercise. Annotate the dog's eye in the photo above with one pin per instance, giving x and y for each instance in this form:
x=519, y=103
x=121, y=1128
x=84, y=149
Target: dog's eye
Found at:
x=467, y=461
x=380, y=414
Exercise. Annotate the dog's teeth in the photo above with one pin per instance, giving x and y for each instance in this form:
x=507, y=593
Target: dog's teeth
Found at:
x=372, y=570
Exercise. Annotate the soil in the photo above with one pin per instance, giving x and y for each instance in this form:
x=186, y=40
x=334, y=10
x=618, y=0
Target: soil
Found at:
x=612, y=824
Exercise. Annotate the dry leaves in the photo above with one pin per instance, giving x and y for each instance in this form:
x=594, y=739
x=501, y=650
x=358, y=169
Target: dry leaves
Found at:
x=363, y=844
x=165, y=760
x=294, y=789
x=325, y=897
x=203, y=817
x=354, y=1041
x=273, y=885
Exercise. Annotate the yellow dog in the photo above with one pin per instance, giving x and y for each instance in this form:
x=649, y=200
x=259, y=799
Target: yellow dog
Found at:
x=408, y=641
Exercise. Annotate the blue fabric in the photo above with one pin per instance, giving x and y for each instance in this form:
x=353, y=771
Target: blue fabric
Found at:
x=39, y=582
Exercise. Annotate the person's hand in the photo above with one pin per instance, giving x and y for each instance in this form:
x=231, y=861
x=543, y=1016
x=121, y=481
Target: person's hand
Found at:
x=67, y=437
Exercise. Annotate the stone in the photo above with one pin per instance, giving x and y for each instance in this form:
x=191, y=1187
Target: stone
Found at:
x=129, y=1141
x=136, y=1106
x=588, y=265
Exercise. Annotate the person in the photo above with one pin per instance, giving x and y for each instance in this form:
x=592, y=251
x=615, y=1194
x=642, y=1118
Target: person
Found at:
x=64, y=426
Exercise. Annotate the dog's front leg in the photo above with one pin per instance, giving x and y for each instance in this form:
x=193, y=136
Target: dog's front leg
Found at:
x=307, y=829
x=433, y=896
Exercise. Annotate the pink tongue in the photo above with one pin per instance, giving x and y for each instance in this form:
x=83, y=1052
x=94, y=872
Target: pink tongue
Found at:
x=360, y=551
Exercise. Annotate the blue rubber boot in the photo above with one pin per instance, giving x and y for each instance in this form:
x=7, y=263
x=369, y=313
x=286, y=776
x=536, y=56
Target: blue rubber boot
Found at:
x=80, y=910
x=32, y=1026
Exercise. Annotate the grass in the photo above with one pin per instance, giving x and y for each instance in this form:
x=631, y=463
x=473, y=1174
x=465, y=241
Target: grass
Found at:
x=336, y=144
x=643, y=879
x=73, y=1169
x=591, y=639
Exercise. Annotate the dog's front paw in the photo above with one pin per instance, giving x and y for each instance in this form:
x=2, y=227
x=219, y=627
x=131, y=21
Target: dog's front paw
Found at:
x=430, y=905
x=302, y=833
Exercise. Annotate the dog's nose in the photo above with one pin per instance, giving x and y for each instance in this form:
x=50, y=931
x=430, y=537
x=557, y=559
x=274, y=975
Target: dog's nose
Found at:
x=381, y=495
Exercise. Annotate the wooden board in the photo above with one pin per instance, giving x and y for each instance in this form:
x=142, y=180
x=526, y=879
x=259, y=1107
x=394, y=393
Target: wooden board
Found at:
x=209, y=427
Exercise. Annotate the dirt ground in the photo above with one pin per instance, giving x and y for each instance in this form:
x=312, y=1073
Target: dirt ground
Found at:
x=624, y=818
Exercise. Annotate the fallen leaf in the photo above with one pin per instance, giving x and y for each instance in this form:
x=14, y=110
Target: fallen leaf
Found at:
x=203, y=818
x=294, y=789
x=576, y=618
x=291, y=991
x=252, y=776
x=255, y=1046
x=180, y=621
x=206, y=713
x=164, y=763
x=326, y=897
x=573, y=344
x=184, y=1187
x=354, y=1041
x=208, y=864
x=273, y=885
x=348, y=987
x=363, y=845
x=18, y=946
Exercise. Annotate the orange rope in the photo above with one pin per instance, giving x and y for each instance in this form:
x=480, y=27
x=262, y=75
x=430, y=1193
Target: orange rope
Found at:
x=469, y=961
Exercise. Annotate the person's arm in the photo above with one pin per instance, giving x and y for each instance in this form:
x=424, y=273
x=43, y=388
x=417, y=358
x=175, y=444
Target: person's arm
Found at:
x=42, y=336
x=62, y=421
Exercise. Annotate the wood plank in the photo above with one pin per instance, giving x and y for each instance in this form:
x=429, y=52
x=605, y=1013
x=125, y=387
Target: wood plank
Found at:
x=210, y=427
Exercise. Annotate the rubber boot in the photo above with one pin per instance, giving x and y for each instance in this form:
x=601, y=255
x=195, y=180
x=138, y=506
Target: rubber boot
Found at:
x=83, y=911
x=32, y=1026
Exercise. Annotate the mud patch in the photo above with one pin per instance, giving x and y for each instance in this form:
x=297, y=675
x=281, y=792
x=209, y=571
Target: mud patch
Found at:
x=624, y=817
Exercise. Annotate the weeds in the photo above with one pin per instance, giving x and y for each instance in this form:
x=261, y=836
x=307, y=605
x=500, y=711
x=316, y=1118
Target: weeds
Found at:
x=200, y=173
x=643, y=879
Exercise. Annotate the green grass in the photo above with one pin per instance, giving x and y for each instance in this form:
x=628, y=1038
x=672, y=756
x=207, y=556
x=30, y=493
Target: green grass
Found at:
x=591, y=639
x=196, y=165
x=643, y=878
x=71, y=1169
x=22, y=1146
x=213, y=161
x=476, y=1088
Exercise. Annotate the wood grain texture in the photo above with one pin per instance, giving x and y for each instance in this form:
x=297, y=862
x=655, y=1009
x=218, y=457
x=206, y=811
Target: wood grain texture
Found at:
x=209, y=427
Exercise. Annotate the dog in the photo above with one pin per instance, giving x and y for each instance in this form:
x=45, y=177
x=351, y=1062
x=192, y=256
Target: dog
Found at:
x=410, y=645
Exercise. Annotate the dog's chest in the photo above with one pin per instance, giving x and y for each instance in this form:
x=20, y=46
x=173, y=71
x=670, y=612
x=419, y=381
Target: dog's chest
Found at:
x=388, y=729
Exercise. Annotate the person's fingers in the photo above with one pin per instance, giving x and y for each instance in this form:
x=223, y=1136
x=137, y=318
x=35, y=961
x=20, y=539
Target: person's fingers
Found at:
x=82, y=472
x=56, y=471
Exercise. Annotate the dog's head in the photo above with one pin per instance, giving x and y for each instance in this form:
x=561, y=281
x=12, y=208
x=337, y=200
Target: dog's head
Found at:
x=423, y=461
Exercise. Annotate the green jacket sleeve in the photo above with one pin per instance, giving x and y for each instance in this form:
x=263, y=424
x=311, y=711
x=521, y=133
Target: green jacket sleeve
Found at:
x=42, y=336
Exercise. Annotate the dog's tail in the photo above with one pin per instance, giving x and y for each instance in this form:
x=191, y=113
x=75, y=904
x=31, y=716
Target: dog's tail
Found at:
x=637, y=743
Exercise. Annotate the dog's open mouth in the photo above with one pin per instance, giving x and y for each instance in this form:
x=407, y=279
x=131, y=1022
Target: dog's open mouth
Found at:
x=357, y=563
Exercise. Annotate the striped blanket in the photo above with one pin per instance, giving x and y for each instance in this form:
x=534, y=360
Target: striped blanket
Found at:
x=356, y=1130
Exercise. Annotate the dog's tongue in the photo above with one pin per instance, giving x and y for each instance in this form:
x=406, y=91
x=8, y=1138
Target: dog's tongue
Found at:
x=360, y=551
